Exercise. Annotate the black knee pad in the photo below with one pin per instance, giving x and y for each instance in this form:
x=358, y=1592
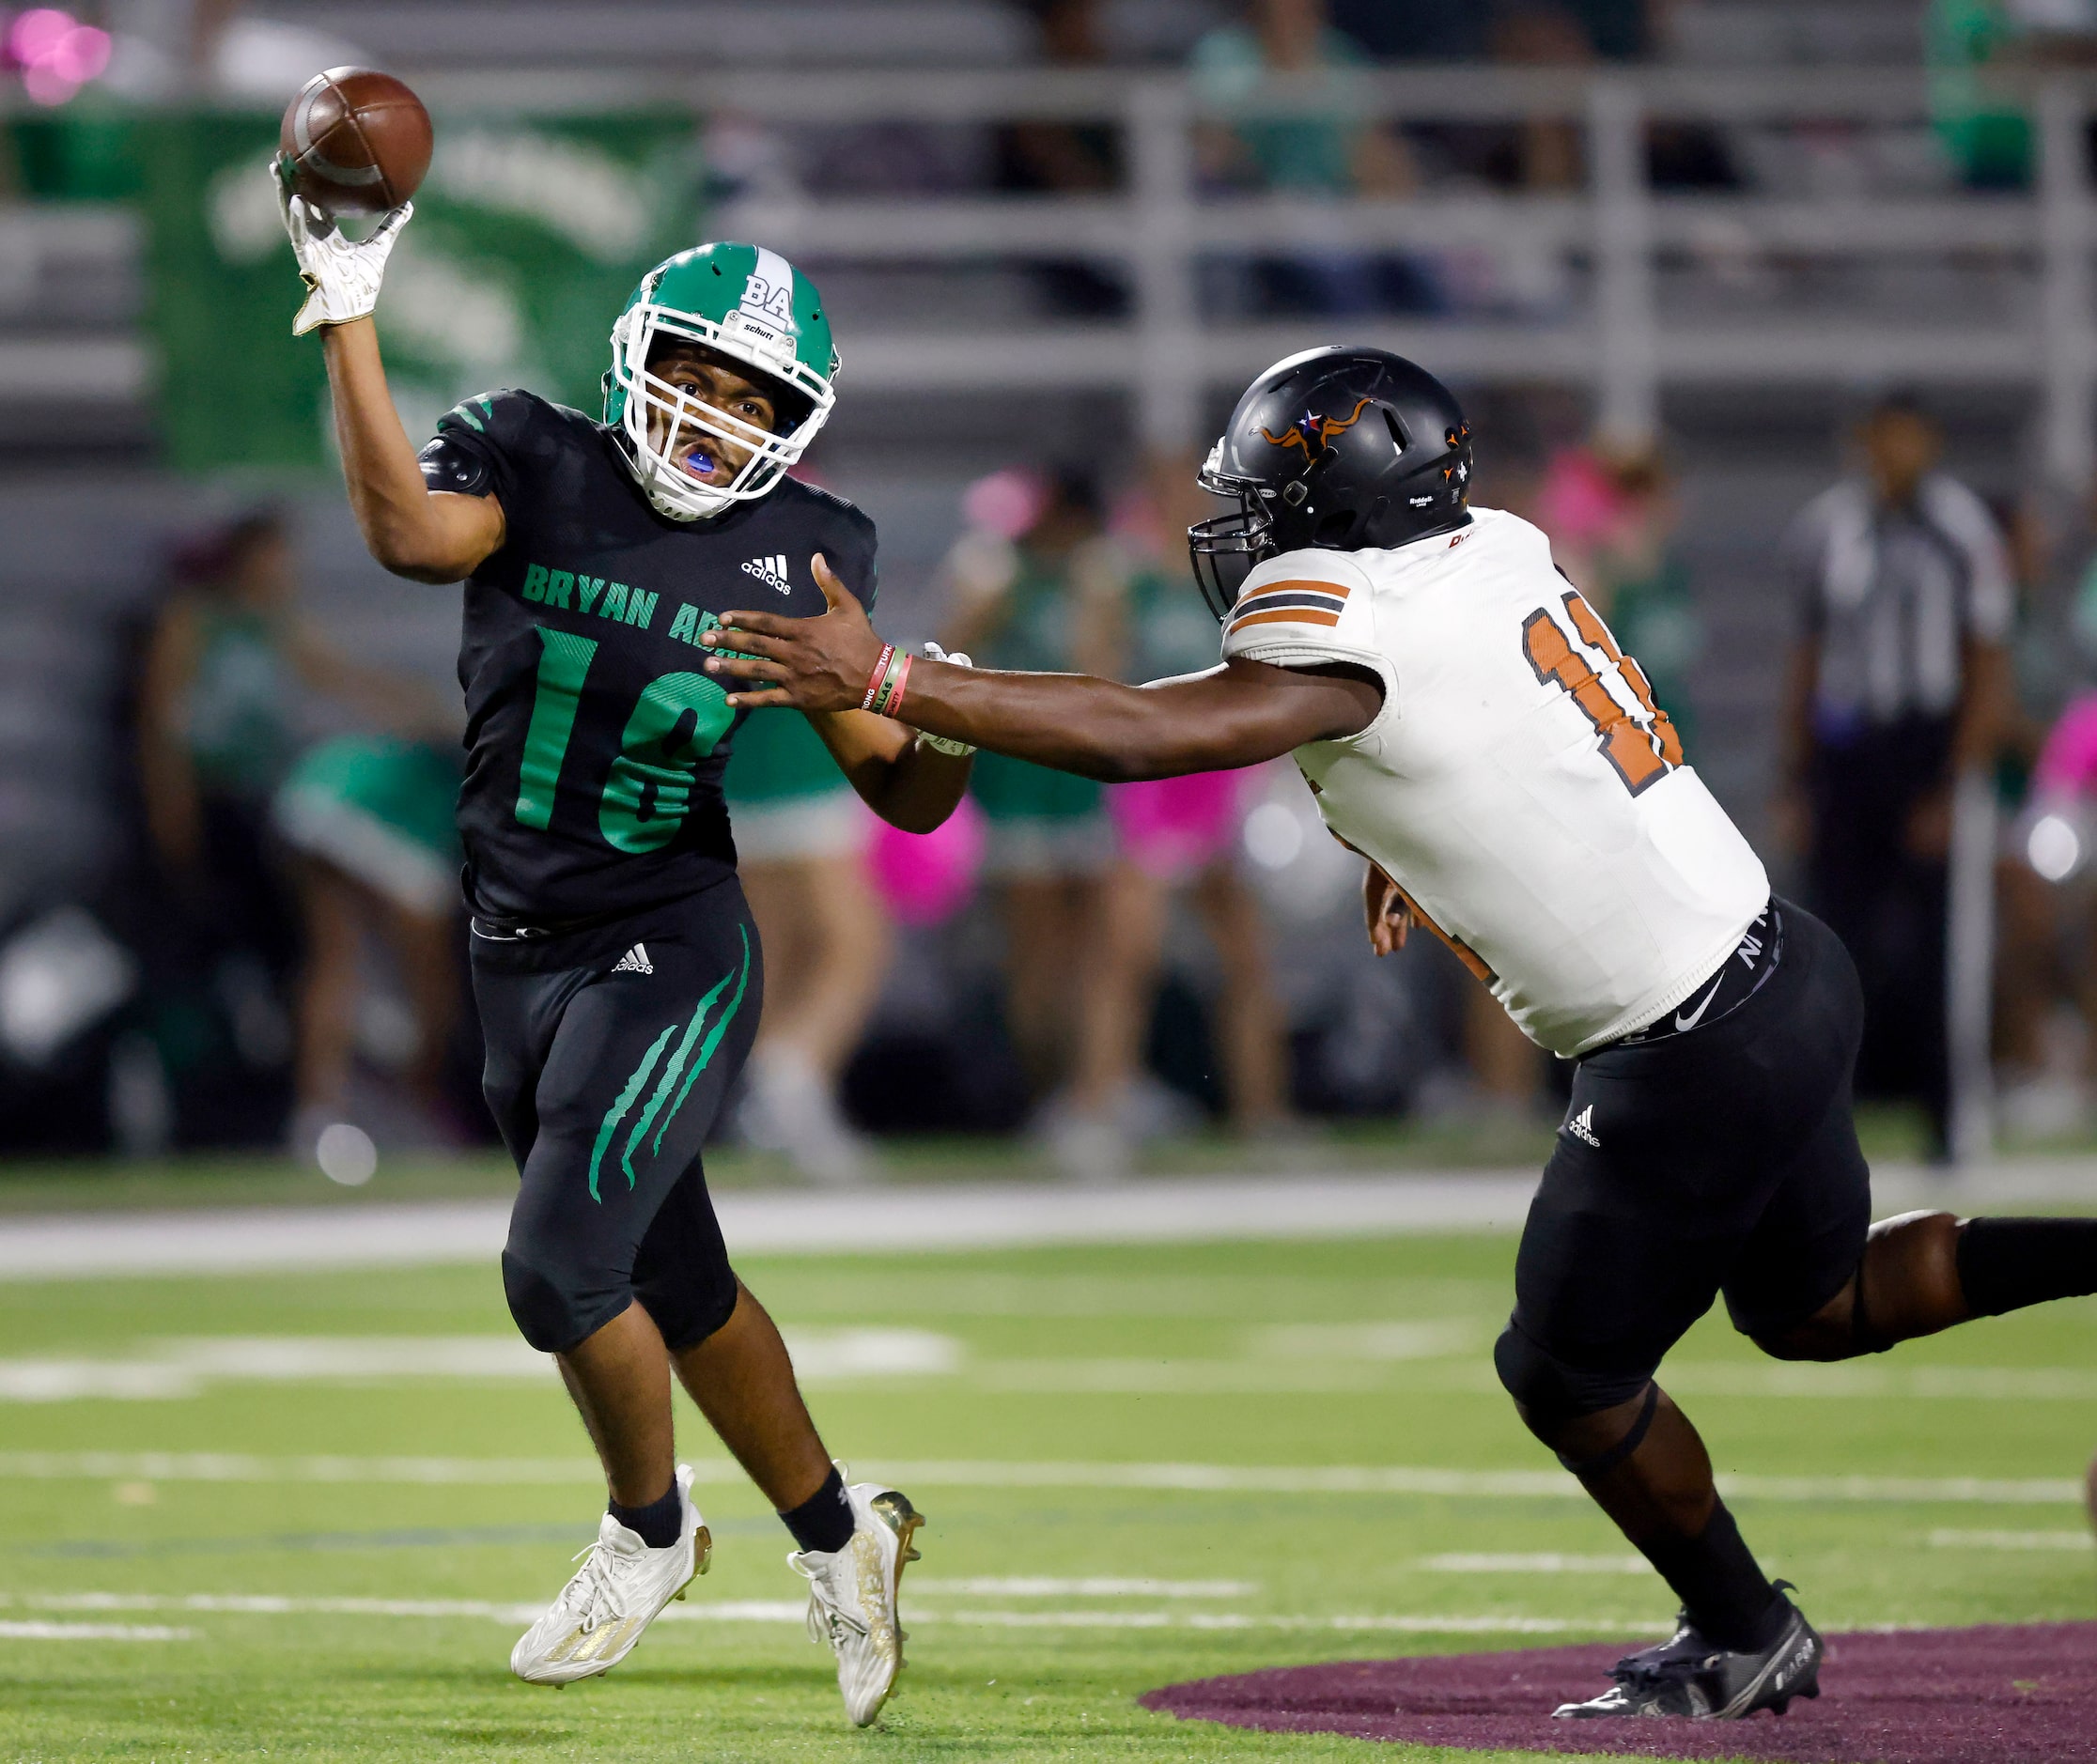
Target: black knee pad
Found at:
x=681, y=1272
x=689, y=1302
x=556, y=1306
x=1550, y=1391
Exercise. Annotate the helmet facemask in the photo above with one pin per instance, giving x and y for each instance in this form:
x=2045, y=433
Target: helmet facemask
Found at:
x=746, y=343
x=1226, y=549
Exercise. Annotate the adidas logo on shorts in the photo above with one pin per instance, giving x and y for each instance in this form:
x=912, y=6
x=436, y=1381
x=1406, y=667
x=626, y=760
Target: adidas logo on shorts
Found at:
x=1583, y=1127
x=635, y=961
x=771, y=571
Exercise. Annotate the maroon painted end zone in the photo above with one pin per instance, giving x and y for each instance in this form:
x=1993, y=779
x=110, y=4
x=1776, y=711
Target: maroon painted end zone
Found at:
x=2022, y=1695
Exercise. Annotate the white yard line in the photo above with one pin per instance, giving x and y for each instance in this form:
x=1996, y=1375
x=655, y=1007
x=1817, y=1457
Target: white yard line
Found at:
x=166, y=1371
x=1391, y=1480
x=36, y=1631
x=2074, y=1543
x=781, y=1611
x=180, y=1369
x=1084, y=1587
x=1548, y=1563
x=960, y=1215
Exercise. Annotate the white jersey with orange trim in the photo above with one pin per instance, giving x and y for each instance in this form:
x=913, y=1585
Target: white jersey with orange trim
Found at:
x=1519, y=785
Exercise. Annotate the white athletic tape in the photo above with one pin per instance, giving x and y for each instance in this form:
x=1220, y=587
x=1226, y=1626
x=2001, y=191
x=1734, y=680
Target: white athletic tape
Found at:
x=991, y=1474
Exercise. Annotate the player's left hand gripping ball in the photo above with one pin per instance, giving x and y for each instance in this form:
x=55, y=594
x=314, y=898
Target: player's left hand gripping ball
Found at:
x=342, y=274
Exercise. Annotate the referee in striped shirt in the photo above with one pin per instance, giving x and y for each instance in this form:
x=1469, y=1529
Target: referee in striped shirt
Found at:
x=1898, y=682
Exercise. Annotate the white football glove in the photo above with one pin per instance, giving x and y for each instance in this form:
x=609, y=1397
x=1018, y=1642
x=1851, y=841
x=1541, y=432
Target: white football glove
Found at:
x=945, y=744
x=343, y=274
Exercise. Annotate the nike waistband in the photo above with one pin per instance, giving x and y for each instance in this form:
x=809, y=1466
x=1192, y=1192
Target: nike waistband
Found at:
x=1739, y=978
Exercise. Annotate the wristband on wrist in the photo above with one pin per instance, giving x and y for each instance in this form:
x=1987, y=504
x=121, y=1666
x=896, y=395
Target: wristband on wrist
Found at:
x=887, y=690
x=891, y=701
x=880, y=672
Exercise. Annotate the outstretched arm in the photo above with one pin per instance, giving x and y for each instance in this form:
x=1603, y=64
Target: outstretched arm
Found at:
x=424, y=535
x=1239, y=714
x=907, y=783
x=415, y=532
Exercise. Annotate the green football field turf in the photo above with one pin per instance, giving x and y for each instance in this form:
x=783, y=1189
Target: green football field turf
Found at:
x=1141, y=1464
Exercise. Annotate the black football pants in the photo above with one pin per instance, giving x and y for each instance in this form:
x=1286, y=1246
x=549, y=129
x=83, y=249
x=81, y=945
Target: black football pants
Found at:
x=1726, y=1162
x=609, y=1052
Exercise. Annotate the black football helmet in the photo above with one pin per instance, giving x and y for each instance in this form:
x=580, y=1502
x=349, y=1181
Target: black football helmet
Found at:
x=1341, y=449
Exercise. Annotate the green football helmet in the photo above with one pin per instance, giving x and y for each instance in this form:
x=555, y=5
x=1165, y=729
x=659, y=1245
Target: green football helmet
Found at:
x=752, y=306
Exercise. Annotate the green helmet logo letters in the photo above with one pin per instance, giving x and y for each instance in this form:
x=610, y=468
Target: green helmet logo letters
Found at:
x=750, y=305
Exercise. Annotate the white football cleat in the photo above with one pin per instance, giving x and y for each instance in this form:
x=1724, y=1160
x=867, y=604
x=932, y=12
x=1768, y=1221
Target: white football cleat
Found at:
x=851, y=1597
x=622, y=1586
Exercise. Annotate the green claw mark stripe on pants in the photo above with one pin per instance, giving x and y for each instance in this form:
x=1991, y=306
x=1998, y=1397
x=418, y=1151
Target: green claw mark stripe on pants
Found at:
x=630, y=1092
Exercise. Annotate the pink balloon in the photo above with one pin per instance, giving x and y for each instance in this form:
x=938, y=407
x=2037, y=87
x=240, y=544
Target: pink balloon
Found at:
x=925, y=879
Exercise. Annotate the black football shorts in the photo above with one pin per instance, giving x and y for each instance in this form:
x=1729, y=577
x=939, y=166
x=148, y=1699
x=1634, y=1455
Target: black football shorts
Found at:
x=611, y=1049
x=1720, y=1160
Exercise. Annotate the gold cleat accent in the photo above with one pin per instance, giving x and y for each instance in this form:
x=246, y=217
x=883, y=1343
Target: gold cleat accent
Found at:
x=900, y=1517
x=895, y=1511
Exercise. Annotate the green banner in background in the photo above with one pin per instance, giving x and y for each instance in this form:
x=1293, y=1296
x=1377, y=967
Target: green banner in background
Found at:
x=527, y=238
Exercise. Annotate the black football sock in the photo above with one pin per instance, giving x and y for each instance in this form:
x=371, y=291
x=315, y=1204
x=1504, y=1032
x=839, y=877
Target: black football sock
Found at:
x=657, y=1524
x=1726, y=1594
x=2005, y=1264
x=823, y=1523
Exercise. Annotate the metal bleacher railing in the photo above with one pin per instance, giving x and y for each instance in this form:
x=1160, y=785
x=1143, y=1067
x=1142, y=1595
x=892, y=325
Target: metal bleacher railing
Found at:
x=1624, y=341
x=1630, y=334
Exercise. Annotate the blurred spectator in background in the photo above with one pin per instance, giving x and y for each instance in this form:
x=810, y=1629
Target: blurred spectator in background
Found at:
x=220, y=711
x=1545, y=153
x=1050, y=158
x=1986, y=131
x=1897, y=686
x=1038, y=586
x=371, y=819
x=1178, y=841
x=1335, y=148
x=2045, y=997
x=2037, y=1095
x=1437, y=30
x=800, y=840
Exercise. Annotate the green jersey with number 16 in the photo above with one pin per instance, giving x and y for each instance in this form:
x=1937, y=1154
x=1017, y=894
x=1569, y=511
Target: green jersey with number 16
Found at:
x=595, y=739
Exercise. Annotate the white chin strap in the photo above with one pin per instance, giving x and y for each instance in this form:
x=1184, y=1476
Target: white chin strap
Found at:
x=692, y=502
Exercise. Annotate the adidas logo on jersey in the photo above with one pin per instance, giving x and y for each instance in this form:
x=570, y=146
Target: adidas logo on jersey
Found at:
x=635, y=961
x=1583, y=1127
x=771, y=571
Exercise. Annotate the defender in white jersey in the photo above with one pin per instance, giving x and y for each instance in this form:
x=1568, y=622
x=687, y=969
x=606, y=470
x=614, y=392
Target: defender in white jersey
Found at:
x=1518, y=782
x=1469, y=724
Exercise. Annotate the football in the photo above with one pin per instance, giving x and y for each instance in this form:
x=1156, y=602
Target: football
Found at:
x=354, y=141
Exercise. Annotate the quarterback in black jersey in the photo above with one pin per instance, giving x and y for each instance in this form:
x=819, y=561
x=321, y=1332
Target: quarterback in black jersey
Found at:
x=615, y=966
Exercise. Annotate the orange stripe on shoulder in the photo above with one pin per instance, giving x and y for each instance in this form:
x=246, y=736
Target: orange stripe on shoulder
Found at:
x=1338, y=590
x=1286, y=615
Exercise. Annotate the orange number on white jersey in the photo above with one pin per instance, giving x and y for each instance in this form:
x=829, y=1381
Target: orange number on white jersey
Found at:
x=1641, y=753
